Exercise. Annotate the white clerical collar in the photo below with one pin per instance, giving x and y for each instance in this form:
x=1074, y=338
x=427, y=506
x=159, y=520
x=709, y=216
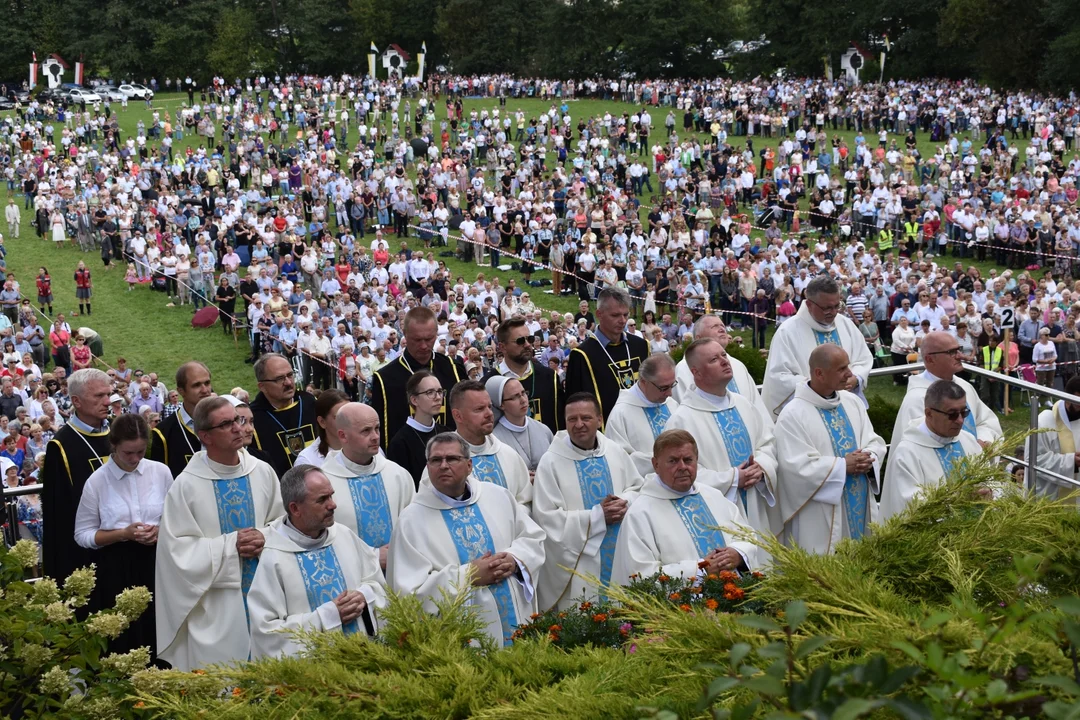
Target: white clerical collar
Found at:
x=454, y=502
x=355, y=467
x=289, y=532
x=411, y=422
x=636, y=389
x=938, y=438
x=692, y=491
x=931, y=377
x=512, y=427
x=580, y=451
x=722, y=402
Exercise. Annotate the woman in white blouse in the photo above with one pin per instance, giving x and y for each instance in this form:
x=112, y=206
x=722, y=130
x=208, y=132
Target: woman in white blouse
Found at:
x=118, y=519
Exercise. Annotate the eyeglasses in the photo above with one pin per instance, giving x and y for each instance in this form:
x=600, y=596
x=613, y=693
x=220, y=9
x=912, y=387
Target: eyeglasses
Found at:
x=954, y=415
x=287, y=377
x=826, y=308
x=433, y=393
x=951, y=352
x=238, y=421
x=446, y=460
x=516, y=397
x=663, y=388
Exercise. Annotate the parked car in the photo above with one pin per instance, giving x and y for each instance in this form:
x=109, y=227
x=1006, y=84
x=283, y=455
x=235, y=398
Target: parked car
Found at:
x=111, y=93
x=82, y=95
x=14, y=91
x=57, y=96
x=137, y=91
x=6, y=104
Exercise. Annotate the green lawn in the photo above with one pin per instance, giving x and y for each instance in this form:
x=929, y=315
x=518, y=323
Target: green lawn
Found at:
x=138, y=326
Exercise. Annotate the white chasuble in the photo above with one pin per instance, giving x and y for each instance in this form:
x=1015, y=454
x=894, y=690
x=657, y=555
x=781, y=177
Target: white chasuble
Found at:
x=983, y=422
x=369, y=497
x=498, y=463
x=920, y=460
x=634, y=424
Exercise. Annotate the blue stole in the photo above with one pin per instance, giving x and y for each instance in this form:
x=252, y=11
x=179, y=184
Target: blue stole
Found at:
x=733, y=386
x=471, y=537
x=737, y=441
x=594, y=478
x=949, y=455
x=236, y=511
x=823, y=338
x=488, y=469
x=969, y=421
x=699, y=521
x=323, y=580
x=372, y=509
x=657, y=417
x=856, y=487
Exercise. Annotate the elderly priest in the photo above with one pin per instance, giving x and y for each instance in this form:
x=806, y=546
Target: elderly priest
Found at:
x=464, y=535
x=584, y=484
x=313, y=574
x=677, y=526
x=642, y=411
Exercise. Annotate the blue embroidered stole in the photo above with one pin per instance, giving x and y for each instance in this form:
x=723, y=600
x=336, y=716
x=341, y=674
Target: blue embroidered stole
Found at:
x=733, y=386
x=949, y=455
x=699, y=521
x=969, y=421
x=471, y=537
x=737, y=441
x=594, y=478
x=488, y=469
x=323, y=580
x=856, y=495
x=823, y=338
x=657, y=417
x=372, y=508
x=236, y=511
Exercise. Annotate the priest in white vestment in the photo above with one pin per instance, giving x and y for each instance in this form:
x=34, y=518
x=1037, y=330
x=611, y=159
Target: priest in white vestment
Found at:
x=370, y=491
x=640, y=413
x=678, y=526
x=733, y=438
x=464, y=535
x=492, y=460
x=1057, y=448
x=829, y=458
x=939, y=352
x=584, y=485
x=817, y=322
x=742, y=382
x=212, y=531
x=929, y=448
x=314, y=574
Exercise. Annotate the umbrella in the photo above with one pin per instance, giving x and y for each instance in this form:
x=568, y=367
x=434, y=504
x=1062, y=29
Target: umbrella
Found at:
x=205, y=317
x=419, y=147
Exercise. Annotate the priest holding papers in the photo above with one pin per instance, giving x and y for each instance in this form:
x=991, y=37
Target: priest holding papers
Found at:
x=642, y=411
x=492, y=460
x=929, y=448
x=1057, y=448
x=817, y=322
x=742, y=382
x=464, y=535
x=584, y=485
x=733, y=438
x=212, y=532
x=313, y=574
x=370, y=491
x=829, y=458
x=677, y=526
x=940, y=352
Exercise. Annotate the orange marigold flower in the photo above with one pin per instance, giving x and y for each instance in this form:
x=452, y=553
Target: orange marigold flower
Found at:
x=697, y=589
x=585, y=606
x=279, y=692
x=140, y=704
x=663, y=578
x=555, y=628
x=198, y=672
x=685, y=608
x=599, y=617
x=729, y=587
x=674, y=596
x=237, y=692
x=758, y=574
x=534, y=616
x=553, y=637
x=703, y=564
x=728, y=576
x=634, y=576
x=711, y=604
x=562, y=616
x=712, y=576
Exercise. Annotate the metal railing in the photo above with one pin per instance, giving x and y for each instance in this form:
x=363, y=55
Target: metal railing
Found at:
x=11, y=509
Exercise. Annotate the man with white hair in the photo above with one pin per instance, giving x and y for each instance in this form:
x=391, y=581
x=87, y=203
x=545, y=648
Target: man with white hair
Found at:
x=817, y=322
x=642, y=411
x=742, y=382
x=314, y=573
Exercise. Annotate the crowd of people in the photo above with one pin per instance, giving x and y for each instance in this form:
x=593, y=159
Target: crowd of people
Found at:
x=407, y=399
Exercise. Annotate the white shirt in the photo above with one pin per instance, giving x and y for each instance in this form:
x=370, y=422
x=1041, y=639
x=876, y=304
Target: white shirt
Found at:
x=112, y=499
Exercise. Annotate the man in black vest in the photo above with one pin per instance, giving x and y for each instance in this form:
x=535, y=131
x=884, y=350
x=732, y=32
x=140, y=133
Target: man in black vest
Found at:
x=284, y=418
x=174, y=441
x=78, y=449
x=547, y=399
x=388, y=384
x=609, y=360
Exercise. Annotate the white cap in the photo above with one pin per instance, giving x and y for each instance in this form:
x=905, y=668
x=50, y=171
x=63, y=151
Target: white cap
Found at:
x=233, y=400
x=114, y=398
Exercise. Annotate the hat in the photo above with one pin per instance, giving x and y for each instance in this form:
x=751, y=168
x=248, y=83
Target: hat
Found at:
x=114, y=398
x=234, y=401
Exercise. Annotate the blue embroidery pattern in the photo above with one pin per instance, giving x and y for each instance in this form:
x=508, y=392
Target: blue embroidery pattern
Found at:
x=657, y=417
x=594, y=477
x=488, y=469
x=236, y=511
x=324, y=580
x=733, y=386
x=736, y=440
x=856, y=495
x=372, y=509
x=949, y=455
x=969, y=421
x=471, y=537
x=823, y=338
x=699, y=521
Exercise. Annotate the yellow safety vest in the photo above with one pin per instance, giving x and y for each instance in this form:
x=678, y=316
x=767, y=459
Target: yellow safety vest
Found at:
x=991, y=362
x=911, y=229
x=885, y=239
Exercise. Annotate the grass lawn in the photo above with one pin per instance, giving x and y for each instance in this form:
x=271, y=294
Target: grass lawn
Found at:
x=151, y=336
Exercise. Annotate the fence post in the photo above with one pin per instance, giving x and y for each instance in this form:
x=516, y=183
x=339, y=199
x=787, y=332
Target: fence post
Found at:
x=1035, y=401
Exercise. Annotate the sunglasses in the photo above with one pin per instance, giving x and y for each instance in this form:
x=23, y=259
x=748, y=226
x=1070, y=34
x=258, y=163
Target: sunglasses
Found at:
x=954, y=415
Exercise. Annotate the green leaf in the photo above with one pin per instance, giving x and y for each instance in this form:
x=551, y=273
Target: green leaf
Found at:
x=795, y=614
x=765, y=685
x=856, y=708
x=996, y=690
x=1072, y=630
x=898, y=679
x=810, y=645
x=909, y=709
x=936, y=619
x=910, y=650
x=818, y=681
x=739, y=652
x=1067, y=684
x=1070, y=605
x=745, y=712
x=759, y=622
x=719, y=686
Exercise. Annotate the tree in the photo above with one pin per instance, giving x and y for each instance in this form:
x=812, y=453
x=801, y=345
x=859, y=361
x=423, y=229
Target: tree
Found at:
x=674, y=38
x=236, y=51
x=487, y=36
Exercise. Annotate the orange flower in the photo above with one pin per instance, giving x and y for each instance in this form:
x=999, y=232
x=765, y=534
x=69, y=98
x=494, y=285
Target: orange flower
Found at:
x=585, y=606
x=237, y=692
x=663, y=578
x=728, y=576
x=599, y=618
x=518, y=634
x=634, y=576
x=697, y=589
x=685, y=608
x=703, y=564
x=555, y=628
x=140, y=704
x=562, y=616
x=553, y=637
x=730, y=587
x=279, y=692
x=758, y=574
x=675, y=596
x=711, y=576
x=534, y=616
x=198, y=672
x=711, y=604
